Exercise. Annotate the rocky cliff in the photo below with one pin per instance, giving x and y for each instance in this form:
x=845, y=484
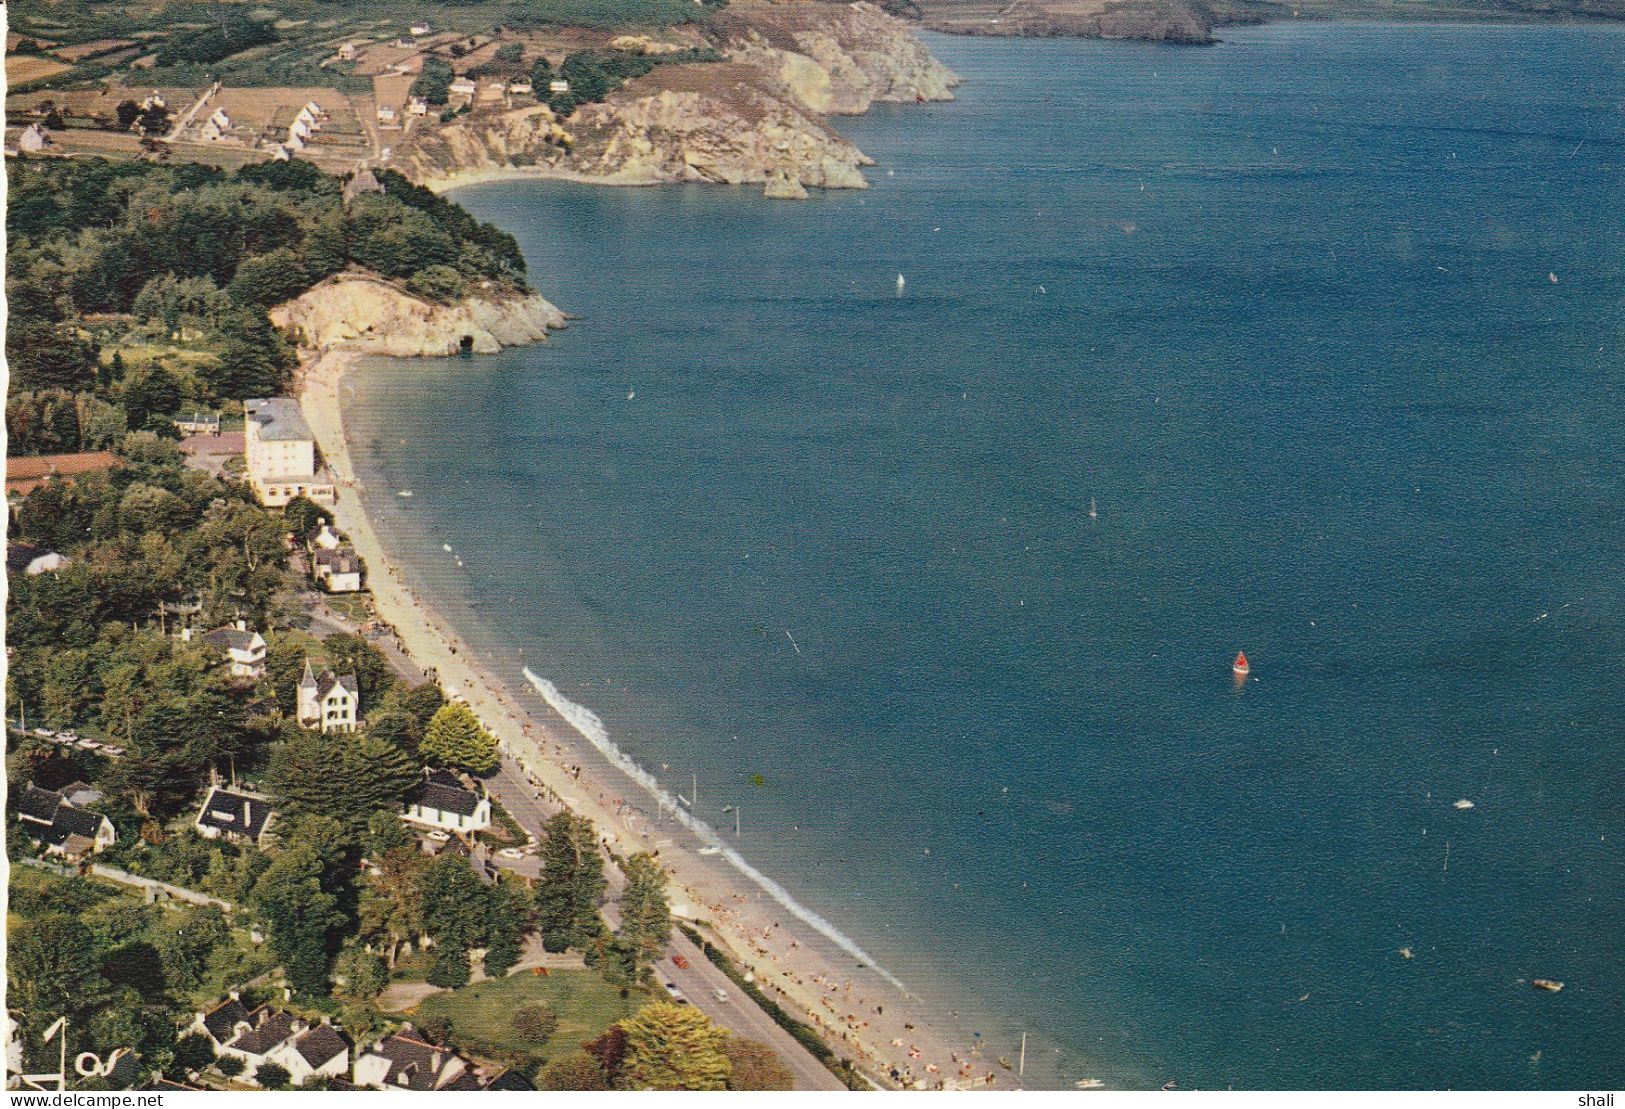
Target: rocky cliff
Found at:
x=756, y=118
x=362, y=313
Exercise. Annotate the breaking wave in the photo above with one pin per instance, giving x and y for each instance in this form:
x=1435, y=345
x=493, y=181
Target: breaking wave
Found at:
x=585, y=721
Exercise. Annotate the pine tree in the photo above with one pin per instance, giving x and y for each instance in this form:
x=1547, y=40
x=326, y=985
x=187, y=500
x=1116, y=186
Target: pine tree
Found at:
x=674, y=1047
x=645, y=914
x=454, y=737
x=300, y=913
x=571, y=884
x=508, y=919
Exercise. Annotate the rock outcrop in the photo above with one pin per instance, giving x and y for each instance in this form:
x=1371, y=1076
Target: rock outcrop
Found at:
x=363, y=313
x=756, y=118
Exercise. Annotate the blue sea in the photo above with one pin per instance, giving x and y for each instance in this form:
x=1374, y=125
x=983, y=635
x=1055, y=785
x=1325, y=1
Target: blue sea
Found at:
x=1326, y=323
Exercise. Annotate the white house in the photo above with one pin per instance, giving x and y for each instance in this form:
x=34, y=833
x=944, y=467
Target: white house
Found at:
x=521, y=87
x=338, y=570
x=310, y=117
x=63, y=828
x=441, y=801
x=419, y=106
x=281, y=453
x=271, y=1036
x=280, y=153
x=462, y=86
x=558, y=84
x=299, y=129
x=386, y=114
x=328, y=702
x=405, y=1062
x=244, y=649
x=347, y=52
x=32, y=140
x=294, y=145
x=419, y=28
x=328, y=539
x=238, y=816
x=211, y=132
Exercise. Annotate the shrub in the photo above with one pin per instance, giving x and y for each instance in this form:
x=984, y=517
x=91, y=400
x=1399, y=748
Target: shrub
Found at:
x=535, y=1023
x=272, y=1076
x=438, y=283
x=229, y=1065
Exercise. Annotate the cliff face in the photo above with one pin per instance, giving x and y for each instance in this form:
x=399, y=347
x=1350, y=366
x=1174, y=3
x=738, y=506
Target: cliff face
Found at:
x=756, y=118
x=360, y=313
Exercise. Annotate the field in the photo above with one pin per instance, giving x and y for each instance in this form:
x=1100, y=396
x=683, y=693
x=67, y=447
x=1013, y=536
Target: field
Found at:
x=21, y=69
x=481, y=1015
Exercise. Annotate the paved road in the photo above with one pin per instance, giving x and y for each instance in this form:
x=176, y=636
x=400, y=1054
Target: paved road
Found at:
x=738, y=1014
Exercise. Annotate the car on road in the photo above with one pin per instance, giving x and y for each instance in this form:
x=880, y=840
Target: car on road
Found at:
x=720, y=995
x=511, y=853
x=680, y=961
x=677, y=995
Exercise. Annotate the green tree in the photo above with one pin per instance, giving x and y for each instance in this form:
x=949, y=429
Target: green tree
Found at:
x=187, y=941
x=52, y=970
x=304, y=516
x=301, y=915
x=755, y=1066
x=193, y=1052
x=365, y=973
x=455, y=738
x=571, y=884
x=345, y=777
x=229, y=1065
x=575, y=1071
x=391, y=909
x=272, y=1076
x=645, y=913
x=674, y=1047
x=510, y=915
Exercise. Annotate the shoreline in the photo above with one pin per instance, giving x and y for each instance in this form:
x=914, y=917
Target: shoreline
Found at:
x=859, y=1009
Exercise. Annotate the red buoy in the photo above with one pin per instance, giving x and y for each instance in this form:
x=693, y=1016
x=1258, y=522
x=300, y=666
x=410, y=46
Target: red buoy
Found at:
x=1240, y=668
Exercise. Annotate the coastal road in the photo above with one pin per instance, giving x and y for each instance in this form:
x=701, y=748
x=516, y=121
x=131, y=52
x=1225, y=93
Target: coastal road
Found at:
x=526, y=804
x=739, y=1014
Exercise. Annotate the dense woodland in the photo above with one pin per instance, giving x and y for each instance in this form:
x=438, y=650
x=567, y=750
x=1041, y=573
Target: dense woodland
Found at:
x=137, y=290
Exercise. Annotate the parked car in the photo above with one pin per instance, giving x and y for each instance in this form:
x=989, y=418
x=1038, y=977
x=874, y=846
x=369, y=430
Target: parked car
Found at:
x=720, y=995
x=44, y=733
x=677, y=995
x=680, y=961
x=511, y=853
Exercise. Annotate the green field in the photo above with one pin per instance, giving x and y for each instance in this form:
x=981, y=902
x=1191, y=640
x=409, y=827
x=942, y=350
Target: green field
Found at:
x=481, y=1015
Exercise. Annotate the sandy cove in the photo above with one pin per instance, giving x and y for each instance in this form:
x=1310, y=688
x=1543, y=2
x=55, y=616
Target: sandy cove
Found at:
x=861, y=1014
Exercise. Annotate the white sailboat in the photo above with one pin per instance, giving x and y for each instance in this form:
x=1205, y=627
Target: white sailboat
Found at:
x=1092, y=513
x=900, y=284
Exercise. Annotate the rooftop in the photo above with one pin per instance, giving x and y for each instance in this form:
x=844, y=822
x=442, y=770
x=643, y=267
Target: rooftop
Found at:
x=238, y=813
x=278, y=418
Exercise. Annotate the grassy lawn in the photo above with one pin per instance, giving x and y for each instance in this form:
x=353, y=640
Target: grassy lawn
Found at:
x=481, y=1015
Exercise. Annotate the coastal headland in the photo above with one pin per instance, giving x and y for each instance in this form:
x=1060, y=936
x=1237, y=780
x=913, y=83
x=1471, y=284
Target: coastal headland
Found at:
x=811, y=971
x=755, y=117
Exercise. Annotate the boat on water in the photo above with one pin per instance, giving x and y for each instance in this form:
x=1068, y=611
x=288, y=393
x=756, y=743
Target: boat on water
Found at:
x=1241, y=667
x=1550, y=985
x=1092, y=513
x=1089, y=1084
x=900, y=282
x=1464, y=804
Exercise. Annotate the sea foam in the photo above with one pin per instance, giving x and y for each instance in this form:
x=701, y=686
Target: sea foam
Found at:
x=585, y=721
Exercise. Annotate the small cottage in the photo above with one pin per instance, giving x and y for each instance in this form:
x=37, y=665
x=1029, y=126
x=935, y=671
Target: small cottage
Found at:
x=444, y=803
x=244, y=650
x=238, y=816
x=338, y=570
x=64, y=828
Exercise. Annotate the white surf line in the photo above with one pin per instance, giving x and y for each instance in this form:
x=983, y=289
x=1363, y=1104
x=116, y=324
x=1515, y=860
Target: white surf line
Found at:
x=585, y=721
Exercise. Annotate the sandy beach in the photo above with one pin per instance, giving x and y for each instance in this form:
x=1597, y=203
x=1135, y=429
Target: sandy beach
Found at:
x=862, y=1014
